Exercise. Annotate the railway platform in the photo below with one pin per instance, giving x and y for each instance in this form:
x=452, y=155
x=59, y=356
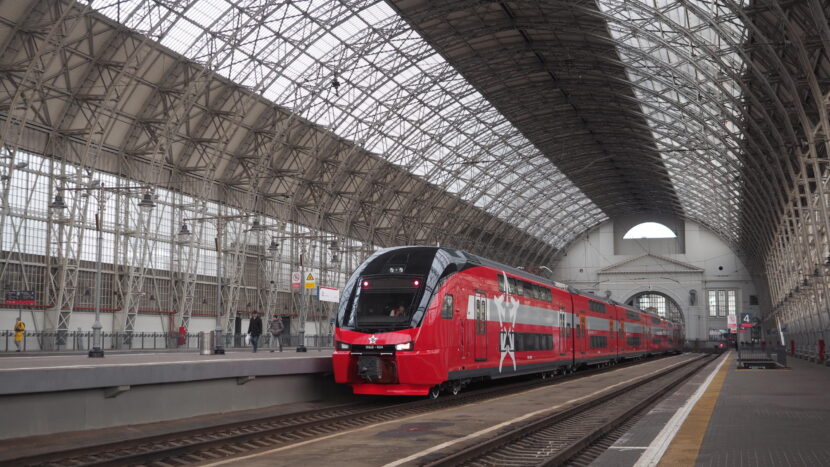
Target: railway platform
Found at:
x=419, y=439
x=752, y=417
x=49, y=394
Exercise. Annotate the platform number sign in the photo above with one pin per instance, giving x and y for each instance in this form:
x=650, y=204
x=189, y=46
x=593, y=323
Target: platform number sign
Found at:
x=746, y=320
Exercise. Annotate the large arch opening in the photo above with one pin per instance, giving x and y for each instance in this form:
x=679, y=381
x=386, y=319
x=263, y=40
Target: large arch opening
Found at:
x=648, y=230
x=660, y=303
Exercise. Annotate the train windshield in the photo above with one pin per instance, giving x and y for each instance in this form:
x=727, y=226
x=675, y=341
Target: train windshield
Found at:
x=393, y=288
x=386, y=301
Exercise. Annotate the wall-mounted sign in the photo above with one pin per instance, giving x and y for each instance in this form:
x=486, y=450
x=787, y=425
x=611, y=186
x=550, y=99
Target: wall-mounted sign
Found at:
x=20, y=297
x=732, y=322
x=309, y=282
x=328, y=294
x=746, y=320
x=296, y=277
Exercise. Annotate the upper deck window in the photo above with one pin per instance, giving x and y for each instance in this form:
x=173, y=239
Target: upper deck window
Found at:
x=525, y=289
x=596, y=307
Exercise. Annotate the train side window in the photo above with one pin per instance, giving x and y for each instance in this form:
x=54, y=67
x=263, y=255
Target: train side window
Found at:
x=446, y=309
x=501, y=282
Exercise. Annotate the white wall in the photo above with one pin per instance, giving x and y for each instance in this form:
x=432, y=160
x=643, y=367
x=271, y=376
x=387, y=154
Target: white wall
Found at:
x=594, y=250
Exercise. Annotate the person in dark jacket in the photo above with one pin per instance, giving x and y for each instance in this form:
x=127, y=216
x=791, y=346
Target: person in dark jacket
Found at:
x=255, y=328
x=276, y=328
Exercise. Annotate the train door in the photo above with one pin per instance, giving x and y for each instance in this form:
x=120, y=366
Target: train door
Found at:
x=461, y=323
x=582, y=334
x=563, y=343
x=623, y=341
x=480, y=327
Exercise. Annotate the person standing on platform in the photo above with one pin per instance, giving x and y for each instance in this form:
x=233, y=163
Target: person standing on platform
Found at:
x=19, y=329
x=276, y=328
x=255, y=329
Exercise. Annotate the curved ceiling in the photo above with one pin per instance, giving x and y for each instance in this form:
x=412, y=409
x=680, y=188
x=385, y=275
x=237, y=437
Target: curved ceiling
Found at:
x=508, y=129
x=693, y=108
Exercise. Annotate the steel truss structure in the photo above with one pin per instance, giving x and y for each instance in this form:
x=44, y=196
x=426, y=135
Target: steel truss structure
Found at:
x=503, y=128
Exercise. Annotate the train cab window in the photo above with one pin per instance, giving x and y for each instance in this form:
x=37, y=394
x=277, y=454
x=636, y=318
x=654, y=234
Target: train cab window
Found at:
x=446, y=308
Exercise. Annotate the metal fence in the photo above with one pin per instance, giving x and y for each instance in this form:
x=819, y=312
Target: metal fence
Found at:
x=756, y=353
x=52, y=341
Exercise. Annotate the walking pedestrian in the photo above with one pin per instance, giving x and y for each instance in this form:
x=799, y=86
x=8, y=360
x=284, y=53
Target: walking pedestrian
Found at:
x=19, y=329
x=276, y=328
x=255, y=329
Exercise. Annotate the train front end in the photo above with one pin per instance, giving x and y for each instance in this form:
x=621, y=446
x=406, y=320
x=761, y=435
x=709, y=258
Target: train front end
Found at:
x=383, y=345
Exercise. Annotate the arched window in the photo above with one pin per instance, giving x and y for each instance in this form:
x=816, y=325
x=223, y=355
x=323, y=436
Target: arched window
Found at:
x=649, y=230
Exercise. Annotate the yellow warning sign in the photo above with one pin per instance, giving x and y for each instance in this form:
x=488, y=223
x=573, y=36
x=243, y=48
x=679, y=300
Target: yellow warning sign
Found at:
x=309, y=282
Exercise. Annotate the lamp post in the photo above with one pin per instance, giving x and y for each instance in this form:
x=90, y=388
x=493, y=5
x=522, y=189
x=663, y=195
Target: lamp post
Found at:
x=102, y=193
x=220, y=222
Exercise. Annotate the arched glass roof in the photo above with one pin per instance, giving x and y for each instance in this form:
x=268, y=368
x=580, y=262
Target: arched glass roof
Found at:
x=357, y=69
x=684, y=62
x=512, y=126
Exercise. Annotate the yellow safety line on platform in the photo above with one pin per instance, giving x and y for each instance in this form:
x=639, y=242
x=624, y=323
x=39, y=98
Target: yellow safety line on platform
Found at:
x=685, y=447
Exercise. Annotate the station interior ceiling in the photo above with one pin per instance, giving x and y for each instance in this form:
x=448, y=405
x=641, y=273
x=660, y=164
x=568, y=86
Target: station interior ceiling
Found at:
x=336, y=127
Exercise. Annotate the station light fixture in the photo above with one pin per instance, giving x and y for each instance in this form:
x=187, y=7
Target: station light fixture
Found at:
x=146, y=202
x=274, y=246
x=58, y=203
x=184, y=233
x=256, y=226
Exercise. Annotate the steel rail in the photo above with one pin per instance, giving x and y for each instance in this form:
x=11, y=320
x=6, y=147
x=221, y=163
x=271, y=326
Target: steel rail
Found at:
x=221, y=441
x=478, y=453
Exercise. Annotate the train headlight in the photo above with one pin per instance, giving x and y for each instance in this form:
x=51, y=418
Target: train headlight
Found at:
x=405, y=346
x=343, y=346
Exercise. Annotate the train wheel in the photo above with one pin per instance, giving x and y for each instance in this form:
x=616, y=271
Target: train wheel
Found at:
x=435, y=391
x=455, y=388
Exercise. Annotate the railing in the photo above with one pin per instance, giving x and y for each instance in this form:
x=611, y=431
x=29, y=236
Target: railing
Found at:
x=768, y=352
x=57, y=341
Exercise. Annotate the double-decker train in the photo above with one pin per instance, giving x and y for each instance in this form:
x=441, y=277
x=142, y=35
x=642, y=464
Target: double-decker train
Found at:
x=418, y=320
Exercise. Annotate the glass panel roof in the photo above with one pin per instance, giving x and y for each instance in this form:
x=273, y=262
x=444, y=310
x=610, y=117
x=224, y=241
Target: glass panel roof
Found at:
x=684, y=61
x=358, y=70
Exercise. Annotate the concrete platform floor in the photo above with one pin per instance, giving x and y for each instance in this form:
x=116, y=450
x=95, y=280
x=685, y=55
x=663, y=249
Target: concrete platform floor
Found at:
x=412, y=440
x=770, y=418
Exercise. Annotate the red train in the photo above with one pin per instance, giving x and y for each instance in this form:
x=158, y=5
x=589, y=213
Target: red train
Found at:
x=419, y=320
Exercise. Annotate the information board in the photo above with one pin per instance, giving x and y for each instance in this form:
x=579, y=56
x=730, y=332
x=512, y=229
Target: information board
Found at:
x=20, y=297
x=328, y=294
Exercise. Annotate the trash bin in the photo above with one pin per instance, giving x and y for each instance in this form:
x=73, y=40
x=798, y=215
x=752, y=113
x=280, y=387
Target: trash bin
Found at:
x=205, y=343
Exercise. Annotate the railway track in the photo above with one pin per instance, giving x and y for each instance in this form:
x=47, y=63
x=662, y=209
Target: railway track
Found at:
x=231, y=440
x=556, y=438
